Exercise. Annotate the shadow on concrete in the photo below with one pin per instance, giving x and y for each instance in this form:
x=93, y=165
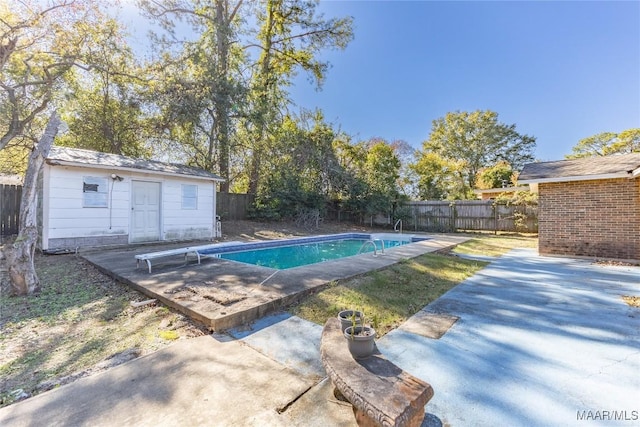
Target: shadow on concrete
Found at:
x=538, y=340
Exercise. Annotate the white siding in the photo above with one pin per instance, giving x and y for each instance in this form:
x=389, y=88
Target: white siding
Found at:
x=188, y=223
x=65, y=216
x=68, y=218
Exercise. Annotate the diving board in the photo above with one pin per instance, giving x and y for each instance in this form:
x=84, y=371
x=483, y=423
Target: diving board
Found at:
x=180, y=251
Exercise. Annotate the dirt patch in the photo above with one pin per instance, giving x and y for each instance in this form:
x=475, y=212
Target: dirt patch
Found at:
x=80, y=324
x=633, y=301
x=256, y=230
x=207, y=290
x=614, y=263
x=83, y=321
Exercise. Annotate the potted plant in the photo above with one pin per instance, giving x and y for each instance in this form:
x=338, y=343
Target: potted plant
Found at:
x=350, y=318
x=360, y=339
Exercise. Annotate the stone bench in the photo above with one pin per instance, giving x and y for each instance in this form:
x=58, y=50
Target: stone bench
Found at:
x=380, y=392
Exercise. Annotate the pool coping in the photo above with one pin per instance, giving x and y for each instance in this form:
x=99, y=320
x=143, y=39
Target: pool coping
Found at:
x=222, y=249
x=224, y=294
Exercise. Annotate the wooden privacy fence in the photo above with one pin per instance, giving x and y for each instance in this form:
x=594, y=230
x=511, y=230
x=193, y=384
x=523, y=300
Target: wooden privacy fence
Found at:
x=10, y=196
x=449, y=216
x=231, y=206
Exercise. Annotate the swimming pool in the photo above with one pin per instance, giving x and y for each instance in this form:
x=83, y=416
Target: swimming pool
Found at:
x=290, y=253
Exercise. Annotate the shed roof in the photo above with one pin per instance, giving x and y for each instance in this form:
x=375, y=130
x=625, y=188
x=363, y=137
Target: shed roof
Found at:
x=597, y=167
x=88, y=158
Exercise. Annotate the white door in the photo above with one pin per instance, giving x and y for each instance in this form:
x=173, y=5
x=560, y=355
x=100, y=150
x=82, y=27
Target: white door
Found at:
x=145, y=211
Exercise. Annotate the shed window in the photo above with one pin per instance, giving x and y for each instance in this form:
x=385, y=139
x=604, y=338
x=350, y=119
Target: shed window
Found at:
x=189, y=196
x=94, y=192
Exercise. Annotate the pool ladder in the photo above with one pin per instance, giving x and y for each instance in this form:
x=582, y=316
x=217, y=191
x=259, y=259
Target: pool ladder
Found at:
x=375, y=247
x=395, y=227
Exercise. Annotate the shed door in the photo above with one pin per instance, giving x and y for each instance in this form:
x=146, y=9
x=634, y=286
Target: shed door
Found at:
x=145, y=211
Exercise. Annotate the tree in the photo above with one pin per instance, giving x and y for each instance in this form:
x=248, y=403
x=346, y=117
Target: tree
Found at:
x=290, y=37
x=433, y=176
x=374, y=170
x=35, y=56
x=467, y=142
x=607, y=143
x=104, y=110
x=497, y=176
x=407, y=179
x=303, y=171
x=39, y=46
x=202, y=82
x=20, y=253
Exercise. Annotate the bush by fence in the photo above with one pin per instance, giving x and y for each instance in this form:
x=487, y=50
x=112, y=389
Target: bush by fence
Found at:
x=450, y=216
x=10, y=196
x=479, y=215
x=430, y=216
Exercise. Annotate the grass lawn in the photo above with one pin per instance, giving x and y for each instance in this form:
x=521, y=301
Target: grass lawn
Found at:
x=495, y=245
x=390, y=296
x=83, y=322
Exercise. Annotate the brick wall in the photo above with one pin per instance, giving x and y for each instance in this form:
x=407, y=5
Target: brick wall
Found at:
x=598, y=218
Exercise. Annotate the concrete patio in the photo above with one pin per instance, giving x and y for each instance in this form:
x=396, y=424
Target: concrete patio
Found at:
x=224, y=294
x=538, y=342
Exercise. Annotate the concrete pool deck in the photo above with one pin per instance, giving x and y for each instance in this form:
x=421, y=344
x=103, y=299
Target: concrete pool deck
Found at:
x=540, y=342
x=223, y=294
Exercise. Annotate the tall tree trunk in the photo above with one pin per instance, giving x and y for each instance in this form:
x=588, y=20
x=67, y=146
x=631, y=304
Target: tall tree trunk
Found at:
x=20, y=254
x=264, y=86
x=222, y=104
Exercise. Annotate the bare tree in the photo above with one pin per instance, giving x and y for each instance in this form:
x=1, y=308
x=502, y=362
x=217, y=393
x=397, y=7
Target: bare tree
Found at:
x=39, y=45
x=20, y=254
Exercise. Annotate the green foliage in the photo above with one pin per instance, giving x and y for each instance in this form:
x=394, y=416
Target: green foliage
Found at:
x=303, y=172
x=312, y=165
x=497, y=176
x=199, y=84
x=40, y=47
x=104, y=111
x=434, y=175
x=291, y=35
x=607, y=143
x=460, y=145
x=392, y=295
x=13, y=159
x=526, y=201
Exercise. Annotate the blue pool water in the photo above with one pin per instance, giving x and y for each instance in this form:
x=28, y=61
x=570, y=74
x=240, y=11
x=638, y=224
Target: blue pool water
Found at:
x=283, y=257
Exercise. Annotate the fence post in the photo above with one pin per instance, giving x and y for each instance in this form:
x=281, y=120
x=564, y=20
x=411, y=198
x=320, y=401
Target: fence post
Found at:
x=454, y=217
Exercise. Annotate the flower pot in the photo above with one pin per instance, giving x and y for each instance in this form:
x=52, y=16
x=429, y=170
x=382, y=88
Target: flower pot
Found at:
x=346, y=318
x=361, y=342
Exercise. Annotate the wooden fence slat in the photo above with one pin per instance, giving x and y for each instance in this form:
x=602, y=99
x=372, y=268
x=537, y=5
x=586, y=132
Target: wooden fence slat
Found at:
x=10, y=196
x=477, y=215
x=434, y=216
x=233, y=206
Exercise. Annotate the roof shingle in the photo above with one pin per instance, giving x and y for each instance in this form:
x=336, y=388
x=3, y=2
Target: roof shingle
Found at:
x=80, y=156
x=597, y=165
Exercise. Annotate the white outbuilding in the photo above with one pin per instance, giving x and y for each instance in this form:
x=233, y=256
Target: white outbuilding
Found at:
x=90, y=199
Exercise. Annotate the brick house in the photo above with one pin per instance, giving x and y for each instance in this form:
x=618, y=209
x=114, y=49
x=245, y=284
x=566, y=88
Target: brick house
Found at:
x=588, y=207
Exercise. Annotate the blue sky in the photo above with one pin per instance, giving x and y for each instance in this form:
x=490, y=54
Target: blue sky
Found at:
x=559, y=71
